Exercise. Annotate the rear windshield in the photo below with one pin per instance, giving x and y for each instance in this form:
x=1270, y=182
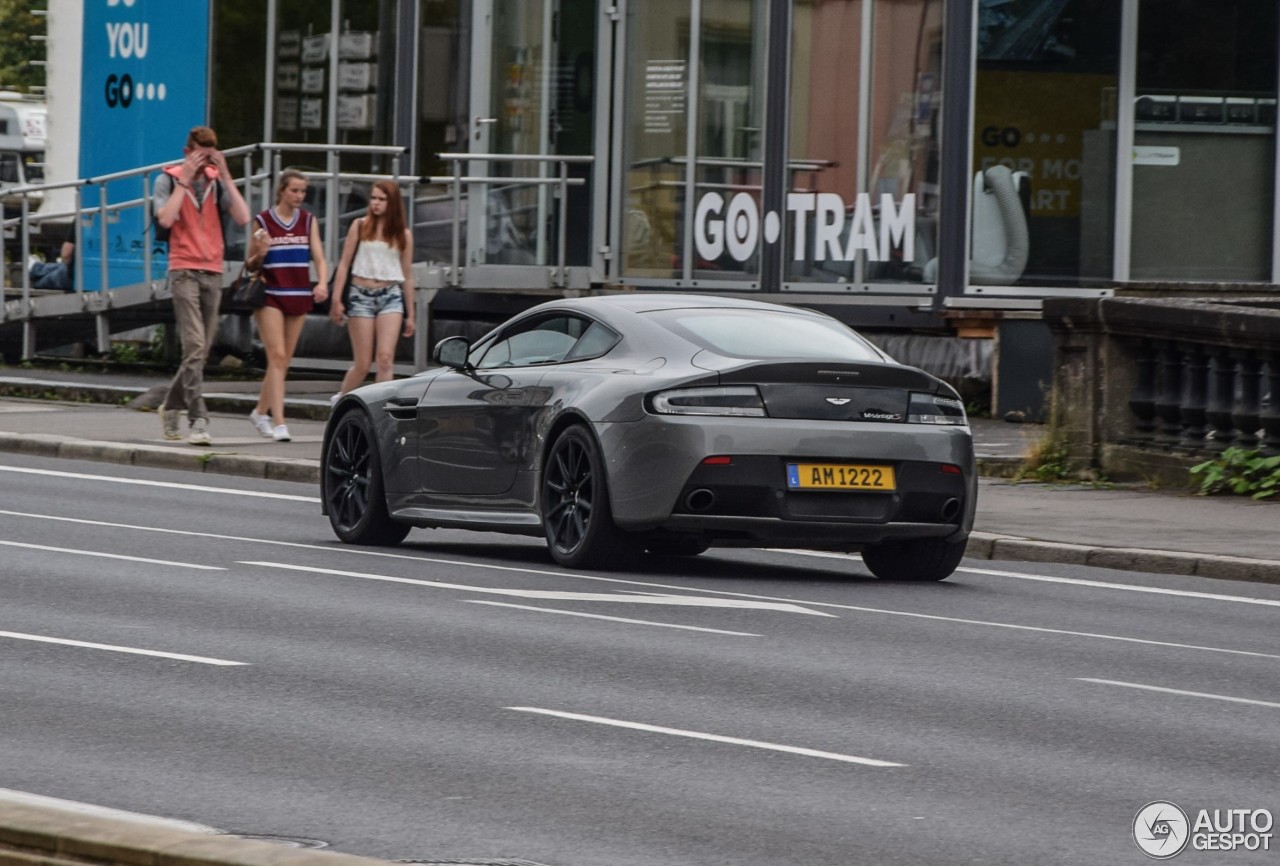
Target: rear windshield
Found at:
x=768, y=335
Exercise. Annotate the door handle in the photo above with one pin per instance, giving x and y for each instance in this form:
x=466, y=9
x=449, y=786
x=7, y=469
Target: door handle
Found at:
x=485, y=121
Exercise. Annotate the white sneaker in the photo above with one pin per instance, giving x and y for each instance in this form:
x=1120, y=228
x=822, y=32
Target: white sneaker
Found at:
x=281, y=434
x=333, y=401
x=200, y=433
x=261, y=423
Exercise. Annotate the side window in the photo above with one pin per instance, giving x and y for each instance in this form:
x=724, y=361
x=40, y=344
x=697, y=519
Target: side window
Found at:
x=539, y=341
x=595, y=342
x=9, y=168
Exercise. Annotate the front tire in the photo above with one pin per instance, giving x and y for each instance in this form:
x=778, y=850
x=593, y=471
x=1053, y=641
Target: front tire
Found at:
x=354, y=496
x=576, y=517
x=922, y=559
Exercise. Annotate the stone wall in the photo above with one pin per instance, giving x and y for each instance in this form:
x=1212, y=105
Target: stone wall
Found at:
x=1145, y=388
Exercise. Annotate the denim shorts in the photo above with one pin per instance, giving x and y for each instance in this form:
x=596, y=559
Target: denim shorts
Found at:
x=365, y=303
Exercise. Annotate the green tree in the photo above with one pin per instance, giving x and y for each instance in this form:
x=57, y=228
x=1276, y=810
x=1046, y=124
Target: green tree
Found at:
x=17, y=25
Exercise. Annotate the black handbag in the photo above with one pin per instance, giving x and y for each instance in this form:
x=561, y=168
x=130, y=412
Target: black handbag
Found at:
x=246, y=292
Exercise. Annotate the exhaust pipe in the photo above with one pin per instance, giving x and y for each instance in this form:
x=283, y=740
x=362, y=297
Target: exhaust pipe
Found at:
x=950, y=509
x=699, y=500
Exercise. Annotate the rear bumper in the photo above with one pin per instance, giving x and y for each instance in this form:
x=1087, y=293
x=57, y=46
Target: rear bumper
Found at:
x=655, y=464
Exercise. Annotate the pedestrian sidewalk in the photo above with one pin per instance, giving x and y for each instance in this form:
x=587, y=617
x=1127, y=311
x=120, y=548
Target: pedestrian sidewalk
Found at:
x=112, y=418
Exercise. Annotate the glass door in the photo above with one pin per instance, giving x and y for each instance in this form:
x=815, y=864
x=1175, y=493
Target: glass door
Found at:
x=533, y=99
x=690, y=140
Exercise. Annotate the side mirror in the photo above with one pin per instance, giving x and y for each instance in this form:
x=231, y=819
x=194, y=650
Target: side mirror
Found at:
x=453, y=352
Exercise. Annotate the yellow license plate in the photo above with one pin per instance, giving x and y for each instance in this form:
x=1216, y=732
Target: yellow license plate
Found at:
x=839, y=476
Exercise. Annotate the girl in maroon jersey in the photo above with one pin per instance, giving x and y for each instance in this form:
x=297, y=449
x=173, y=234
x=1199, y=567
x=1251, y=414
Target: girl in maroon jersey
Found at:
x=286, y=242
x=378, y=259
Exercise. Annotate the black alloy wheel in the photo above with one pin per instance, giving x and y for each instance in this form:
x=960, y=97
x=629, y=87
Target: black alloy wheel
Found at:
x=576, y=516
x=353, y=490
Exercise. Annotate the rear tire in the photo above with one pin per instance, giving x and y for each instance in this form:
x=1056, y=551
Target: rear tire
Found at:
x=922, y=559
x=576, y=517
x=351, y=479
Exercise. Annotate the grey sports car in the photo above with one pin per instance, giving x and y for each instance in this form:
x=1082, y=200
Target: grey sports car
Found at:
x=662, y=423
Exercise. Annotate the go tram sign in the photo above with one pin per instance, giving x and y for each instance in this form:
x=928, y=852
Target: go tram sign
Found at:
x=736, y=227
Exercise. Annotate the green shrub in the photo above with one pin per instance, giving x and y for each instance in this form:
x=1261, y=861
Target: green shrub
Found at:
x=1242, y=472
x=1046, y=461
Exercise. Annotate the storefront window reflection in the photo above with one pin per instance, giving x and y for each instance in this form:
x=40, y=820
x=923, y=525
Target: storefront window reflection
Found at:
x=864, y=214
x=731, y=123
x=1204, y=141
x=825, y=104
x=1044, y=108
x=906, y=88
x=655, y=137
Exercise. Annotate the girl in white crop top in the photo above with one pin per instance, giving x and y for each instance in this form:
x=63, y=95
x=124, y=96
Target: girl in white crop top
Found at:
x=373, y=286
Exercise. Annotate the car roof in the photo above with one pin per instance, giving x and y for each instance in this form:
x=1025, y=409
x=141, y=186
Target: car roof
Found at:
x=649, y=302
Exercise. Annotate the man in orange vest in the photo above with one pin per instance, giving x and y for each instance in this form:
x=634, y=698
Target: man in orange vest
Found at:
x=190, y=200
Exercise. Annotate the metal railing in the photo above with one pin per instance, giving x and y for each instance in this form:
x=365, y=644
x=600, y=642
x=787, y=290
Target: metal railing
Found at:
x=101, y=213
x=85, y=213
x=98, y=284
x=480, y=184
x=333, y=178
x=98, y=204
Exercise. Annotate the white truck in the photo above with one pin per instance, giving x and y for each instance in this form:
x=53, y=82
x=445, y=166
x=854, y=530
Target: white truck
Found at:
x=23, y=125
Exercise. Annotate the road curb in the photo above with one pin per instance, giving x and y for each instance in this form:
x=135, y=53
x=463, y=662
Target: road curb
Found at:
x=44, y=836
x=984, y=545
x=160, y=457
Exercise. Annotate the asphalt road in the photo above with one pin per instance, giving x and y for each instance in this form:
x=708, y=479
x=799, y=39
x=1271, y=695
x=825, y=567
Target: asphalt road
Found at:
x=201, y=648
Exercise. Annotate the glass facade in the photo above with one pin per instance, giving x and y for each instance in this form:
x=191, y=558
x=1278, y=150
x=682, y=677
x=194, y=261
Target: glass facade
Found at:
x=538, y=58
x=655, y=137
x=671, y=100
x=730, y=141
x=1045, y=101
x=1204, y=141
x=905, y=92
x=826, y=132
x=864, y=143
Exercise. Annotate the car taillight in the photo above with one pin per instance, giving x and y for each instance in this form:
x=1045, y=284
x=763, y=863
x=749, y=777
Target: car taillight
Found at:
x=935, y=409
x=727, y=400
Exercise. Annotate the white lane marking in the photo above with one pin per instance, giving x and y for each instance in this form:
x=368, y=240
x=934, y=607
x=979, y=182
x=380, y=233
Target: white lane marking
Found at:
x=1071, y=581
x=821, y=554
x=523, y=570
x=1098, y=584
x=1181, y=692
x=716, y=738
x=611, y=618
x=26, y=798
x=172, y=485
x=555, y=595
x=577, y=576
x=110, y=555
x=120, y=649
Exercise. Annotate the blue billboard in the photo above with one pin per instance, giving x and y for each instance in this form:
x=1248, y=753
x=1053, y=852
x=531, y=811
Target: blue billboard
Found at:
x=144, y=85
